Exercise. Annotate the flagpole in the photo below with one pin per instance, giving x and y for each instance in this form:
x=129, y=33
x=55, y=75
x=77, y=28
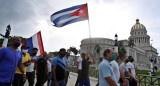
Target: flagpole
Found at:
x=89, y=25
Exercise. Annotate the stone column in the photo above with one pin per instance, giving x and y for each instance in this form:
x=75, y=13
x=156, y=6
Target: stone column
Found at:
x=127, y=51
x=157, y=60
x=135, y=56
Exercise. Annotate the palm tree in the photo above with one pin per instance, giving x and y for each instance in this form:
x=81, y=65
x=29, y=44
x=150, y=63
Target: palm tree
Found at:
x=74, y=50
x=98, y=49
x=131, y=43
x=121, y=50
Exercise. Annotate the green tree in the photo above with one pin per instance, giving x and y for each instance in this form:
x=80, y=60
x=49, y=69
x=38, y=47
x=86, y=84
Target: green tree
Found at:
x=9, y=40
x=121, y=50
x=74, y=50
x=131, y=43
x=54, y=53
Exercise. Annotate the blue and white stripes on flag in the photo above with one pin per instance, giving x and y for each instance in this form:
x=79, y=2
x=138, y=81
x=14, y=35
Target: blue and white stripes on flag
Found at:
x=70, y=15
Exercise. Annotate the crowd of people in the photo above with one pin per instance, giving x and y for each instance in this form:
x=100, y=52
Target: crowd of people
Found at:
x=17, y=66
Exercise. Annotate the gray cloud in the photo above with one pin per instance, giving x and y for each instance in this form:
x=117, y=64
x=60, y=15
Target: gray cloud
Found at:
x=24, y=15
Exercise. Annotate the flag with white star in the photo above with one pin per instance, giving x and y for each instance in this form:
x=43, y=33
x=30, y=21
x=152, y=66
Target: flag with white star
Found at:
x=70, y=15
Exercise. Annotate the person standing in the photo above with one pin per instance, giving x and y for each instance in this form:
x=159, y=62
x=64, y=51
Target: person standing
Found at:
x=18, y=78
x=58, y=69
x=84, y=78
x=32, y=67
x=133, y=81
x=49, y=61
x=124, y=73
x=106, y=74
x=79, y=67
x=100, y=60
x=10, y=59
x=67, y=67
x=115, y=67
x=42, y=70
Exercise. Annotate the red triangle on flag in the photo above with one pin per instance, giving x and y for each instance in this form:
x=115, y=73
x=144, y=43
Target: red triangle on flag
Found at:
x=81, y=12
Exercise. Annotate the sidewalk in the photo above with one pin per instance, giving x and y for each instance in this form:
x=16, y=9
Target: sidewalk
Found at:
x=72, y=80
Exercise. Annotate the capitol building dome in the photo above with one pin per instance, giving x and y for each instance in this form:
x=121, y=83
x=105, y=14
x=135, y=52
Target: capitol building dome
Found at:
x=139, y=34
x=138, y=26
x=141, y=51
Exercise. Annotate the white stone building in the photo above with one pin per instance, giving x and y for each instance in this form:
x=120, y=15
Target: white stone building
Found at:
x=141, y=51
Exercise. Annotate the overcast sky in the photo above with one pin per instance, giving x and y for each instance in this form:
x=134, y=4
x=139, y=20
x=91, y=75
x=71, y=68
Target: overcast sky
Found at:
x=107, y=17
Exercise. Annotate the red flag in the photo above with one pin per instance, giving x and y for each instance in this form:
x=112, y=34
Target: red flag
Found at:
x=81, y=12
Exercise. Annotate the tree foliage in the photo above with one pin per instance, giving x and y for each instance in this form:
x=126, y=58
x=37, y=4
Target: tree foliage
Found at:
x=73, y=50
x=121, y=50
x=131, y=43
x=54, y=53
x=9, y=41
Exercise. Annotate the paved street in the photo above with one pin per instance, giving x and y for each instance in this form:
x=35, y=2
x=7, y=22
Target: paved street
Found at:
x=72, y=80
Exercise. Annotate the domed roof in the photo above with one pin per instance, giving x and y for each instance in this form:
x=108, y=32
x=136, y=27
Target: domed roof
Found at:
x=138, y=26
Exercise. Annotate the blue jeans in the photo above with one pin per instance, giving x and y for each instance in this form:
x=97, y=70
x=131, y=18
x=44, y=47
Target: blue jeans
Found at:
x=85, y=82
x=60, y=83
x=121, y=84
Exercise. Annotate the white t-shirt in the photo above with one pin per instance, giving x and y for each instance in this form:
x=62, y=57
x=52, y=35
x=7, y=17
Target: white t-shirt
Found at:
x=49, y=66
x=30, y=68
x=115, y=70
x=67, y=63
x=131, y=66
x=80, y=63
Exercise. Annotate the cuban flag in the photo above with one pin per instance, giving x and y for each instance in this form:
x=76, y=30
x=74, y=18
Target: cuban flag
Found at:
x=35, y=42
x=20, y=46
x=70, y=15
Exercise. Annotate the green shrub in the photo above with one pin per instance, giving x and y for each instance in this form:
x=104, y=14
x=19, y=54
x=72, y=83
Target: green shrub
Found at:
x=144, y=72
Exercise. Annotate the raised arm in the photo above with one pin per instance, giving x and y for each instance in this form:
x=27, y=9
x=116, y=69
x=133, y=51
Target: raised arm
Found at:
x=93, y=62
x=87, y=53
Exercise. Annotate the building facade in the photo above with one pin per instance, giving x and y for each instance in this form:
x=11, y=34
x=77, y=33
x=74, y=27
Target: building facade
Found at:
x=141, y=52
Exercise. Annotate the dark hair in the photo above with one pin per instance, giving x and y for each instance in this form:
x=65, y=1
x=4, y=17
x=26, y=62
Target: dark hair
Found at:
x=106, y=51
x=82, y=53
x=62, y=49
x=68, y=54
x=129, y=57
x=34, y=49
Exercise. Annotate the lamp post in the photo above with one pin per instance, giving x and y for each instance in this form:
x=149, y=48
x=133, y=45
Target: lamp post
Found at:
x=8, y=30
x=116, y=43
x=151, y=58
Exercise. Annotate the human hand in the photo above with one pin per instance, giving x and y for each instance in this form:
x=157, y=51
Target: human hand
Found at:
x=137, y=80
x=24, y=77
x=56, y=84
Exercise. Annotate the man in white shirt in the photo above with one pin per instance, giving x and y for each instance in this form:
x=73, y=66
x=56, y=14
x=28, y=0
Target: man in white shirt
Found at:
x=32, y=67
x=133, y=81
x=115, y=67
x=67, y=67
x=79, y=67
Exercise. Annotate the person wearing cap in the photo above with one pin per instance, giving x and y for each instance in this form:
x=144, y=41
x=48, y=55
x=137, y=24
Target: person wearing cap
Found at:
x=10, y=59
x=26, y=60
x=42, y=70
x=58, y=69
x=32, y=67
